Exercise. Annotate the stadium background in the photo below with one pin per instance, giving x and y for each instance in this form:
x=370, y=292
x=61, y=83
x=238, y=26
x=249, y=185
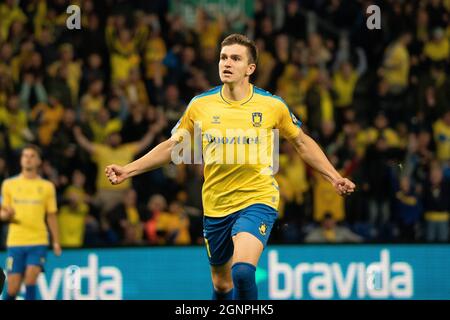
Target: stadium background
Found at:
x=377, y=101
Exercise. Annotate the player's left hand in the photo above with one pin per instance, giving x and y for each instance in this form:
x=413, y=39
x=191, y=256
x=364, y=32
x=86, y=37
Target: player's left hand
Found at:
x=57, y=249
x=344, y=186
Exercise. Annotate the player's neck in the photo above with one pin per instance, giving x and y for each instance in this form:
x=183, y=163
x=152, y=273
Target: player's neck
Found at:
x=32, y=174
x=236, y=91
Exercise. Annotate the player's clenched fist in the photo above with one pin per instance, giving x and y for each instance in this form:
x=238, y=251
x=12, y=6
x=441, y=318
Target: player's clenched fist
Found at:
x=344, y=186
x=115, y=174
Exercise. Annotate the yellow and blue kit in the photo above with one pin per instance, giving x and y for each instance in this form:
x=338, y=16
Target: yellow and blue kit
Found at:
x=237, y=143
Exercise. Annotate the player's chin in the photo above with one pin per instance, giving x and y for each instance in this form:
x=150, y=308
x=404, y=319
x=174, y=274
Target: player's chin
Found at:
x=225, y=79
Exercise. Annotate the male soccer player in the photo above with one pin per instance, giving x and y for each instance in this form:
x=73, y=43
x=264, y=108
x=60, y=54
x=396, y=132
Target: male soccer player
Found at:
x=27, y=199
x=240, y=199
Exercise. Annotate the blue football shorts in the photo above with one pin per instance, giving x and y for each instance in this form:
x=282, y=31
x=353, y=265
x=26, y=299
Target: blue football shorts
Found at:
x=256, y=219
x=19, y=257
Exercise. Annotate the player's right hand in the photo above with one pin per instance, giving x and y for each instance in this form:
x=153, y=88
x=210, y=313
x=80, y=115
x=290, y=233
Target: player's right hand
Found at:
x=115, y=174
x=7, y=214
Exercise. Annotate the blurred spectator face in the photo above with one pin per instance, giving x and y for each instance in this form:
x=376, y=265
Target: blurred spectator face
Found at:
x=188, y=55
x=114, y=139
x=130, y=198
x=124, y=35
x=405, y=184
x=349, y=115
x=383, y=88
x=67, y=53
x=381, y=121
x=422, y=17
x=209, y=54
x=6, y=52
x=177, y=23
x=266, y=26
x=446, y=118
x=423, y=139
x=46, y=36
x=137, y=111
x=88, y=6
x=234, y=63
x=53, y=101
x=176, y=207
x=282, y=42
x=157, y=203
x=292, y=8
x=69, y=117
x=103, y=116
x=314, y=41
x=436, y=174
x=134, y=75
x=260, y=44
x=114, y=104
x=16, y=28
x=78, y=178
x=406, y=38
x=94, y=61
x=172, y=93
x=96, y=87
x=36, y=59
x=328, y=222
x=13, y=104
x=119, y=21
x=346, y=69
x=27, y=47
x=328, y=128
x=2, y=165
x=93, y=22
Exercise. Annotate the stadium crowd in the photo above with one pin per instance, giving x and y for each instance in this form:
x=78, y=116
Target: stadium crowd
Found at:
x=377, y=101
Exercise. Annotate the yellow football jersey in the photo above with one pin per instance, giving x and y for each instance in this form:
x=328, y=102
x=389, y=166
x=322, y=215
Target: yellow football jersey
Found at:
x=31, y=200
x=237, y=144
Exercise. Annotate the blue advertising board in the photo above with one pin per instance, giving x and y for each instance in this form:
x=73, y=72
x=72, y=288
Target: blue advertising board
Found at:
x=284, y=272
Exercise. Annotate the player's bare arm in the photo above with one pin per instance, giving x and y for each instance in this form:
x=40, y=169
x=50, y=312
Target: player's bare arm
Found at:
x=52, y=223
x=6, y=214
x=155, y=158
x=82, y=140
x=313, y=155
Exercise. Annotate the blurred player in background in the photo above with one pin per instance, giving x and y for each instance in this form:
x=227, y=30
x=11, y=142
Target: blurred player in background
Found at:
x=28, y=201
x=240, y=201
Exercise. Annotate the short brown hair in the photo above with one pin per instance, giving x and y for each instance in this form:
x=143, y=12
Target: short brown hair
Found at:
x=35, y=148
x=236, y=38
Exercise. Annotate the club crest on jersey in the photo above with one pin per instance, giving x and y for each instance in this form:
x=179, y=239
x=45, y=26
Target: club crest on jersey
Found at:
x=256, y=119
x=263, y=229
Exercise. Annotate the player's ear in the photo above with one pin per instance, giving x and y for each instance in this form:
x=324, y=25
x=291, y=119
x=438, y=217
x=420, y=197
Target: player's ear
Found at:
x=250, y=69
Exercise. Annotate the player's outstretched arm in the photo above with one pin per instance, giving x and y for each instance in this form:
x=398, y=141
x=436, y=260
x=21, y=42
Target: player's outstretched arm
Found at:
x=155, y=158
x=313, y=155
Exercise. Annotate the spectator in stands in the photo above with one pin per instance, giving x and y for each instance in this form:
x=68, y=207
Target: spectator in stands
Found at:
x=436, y=206
x=408, y=210
x=173, y=226
x=126, y=221
x=108, y=196
x=330, y=232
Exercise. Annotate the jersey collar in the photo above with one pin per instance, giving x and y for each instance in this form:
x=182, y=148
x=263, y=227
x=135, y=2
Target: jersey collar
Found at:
x=239, y=102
